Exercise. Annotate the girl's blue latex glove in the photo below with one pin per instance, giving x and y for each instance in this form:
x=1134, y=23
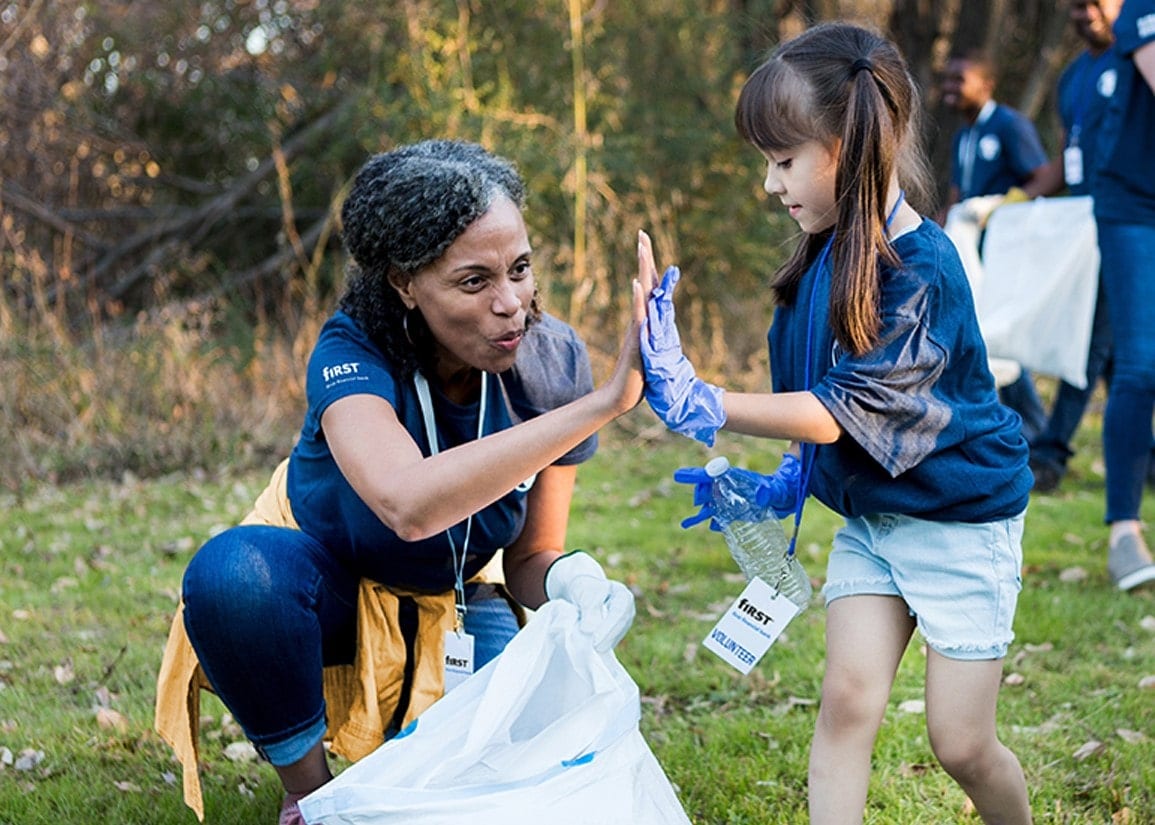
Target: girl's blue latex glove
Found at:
x=777, y=492
x=684, y=402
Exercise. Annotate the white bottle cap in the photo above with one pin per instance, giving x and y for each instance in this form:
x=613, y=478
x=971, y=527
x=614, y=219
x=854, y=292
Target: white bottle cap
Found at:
x=717, y=466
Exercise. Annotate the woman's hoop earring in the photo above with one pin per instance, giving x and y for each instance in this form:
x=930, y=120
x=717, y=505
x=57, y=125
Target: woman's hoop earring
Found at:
x=405, y=328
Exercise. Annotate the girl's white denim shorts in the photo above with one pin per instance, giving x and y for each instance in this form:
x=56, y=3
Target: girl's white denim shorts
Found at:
x=960, y=581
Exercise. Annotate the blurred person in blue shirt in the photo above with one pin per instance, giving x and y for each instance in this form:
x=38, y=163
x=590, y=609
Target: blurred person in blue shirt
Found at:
x=1124, y=194
x=996, y=152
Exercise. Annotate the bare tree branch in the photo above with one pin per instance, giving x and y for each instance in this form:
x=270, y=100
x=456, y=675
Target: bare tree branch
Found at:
x=164, y=237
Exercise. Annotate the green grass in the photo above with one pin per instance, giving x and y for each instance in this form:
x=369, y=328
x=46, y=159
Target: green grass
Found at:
x=89, y=575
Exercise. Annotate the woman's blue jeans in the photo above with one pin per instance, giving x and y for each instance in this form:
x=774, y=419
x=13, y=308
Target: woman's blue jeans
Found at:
x=267, y=607
x=1128, y=271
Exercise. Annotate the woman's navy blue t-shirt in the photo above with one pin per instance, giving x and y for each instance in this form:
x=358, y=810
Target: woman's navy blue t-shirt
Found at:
x=552, y=369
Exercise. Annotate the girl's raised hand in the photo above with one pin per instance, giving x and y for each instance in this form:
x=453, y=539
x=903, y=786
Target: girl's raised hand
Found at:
x=684, y=402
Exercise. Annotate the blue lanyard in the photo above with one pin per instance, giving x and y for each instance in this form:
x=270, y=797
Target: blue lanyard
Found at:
x=809, y=450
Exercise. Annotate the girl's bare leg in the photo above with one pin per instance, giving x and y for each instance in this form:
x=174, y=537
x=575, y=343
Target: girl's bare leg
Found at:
x=961, y=702
x=865, y=639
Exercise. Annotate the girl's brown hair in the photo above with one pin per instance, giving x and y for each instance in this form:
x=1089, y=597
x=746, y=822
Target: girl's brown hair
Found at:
x=846, y=87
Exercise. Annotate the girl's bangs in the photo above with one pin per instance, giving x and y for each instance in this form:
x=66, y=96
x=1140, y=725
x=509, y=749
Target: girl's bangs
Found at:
x=773, y=111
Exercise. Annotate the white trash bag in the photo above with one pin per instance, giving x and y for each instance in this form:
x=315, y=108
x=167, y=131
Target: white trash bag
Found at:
x=547, y=729
x=1037, y=304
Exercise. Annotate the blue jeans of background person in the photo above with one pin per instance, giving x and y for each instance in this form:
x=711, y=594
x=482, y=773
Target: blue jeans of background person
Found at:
x=1053, y=444
x=1020, y=396
x=267, y=607
x=1128, y=266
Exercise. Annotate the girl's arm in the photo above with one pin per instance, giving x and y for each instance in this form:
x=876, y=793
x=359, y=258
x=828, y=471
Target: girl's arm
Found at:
x=543, y=538
x=796, y=416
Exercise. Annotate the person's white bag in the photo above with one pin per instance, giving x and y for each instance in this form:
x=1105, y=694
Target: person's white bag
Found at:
x=1041, y=276
x=548, y=729
x=964, y=226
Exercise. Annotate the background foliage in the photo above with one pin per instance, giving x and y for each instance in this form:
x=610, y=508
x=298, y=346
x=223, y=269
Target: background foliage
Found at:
x=168, y=247
x=171, y=175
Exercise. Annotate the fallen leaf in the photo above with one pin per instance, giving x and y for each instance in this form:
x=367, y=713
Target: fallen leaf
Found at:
x=1147, y=623
x=1073, y=574
x=28, y=759
x=1014, y=679
x=1089, y=749
x=911, y=771
x=103, y=697
x=1121, y=817
x=63, y=583
x=127, y=787
x=241, y=752
x=912, y=706
x=230, y=728
x=1147, y=683
x=63, y=672
x=6, y=757
x=1045, y=647
x=690, y=653
x=1132, y=737
x=3, y=638
x=109, y=719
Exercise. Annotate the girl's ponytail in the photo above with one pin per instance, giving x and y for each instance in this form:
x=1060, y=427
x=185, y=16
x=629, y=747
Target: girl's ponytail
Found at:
x=870, y=143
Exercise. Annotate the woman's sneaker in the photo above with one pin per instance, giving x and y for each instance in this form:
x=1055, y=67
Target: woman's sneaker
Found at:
x=1129, y=562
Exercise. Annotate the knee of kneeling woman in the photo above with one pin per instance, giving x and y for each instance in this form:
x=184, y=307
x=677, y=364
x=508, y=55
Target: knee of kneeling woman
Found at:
x=231, y=578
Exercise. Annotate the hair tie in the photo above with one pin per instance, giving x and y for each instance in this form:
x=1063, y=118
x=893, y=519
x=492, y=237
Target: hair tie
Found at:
x=860, y=65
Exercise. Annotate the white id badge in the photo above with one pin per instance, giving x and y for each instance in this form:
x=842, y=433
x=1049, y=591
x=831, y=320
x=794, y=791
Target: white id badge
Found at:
x=750, y=625
x=1073, y=165
x=458, y=658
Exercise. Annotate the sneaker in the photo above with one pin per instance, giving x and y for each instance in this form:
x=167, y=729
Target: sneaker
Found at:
x=1047, y=474
x=290, y=811
x=1129, y=562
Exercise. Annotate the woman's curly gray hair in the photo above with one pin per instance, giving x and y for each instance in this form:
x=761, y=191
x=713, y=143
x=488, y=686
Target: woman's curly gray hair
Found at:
x=405, y=208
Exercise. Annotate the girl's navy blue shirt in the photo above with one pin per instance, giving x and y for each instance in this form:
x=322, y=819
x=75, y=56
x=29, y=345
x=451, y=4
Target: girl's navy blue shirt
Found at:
x=552, y=369
x=924, y=433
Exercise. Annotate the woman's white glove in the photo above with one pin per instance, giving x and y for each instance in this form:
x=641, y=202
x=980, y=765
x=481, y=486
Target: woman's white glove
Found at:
x=605, y=607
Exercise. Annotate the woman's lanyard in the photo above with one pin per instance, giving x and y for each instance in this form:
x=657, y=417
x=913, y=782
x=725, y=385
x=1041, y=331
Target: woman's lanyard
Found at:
x=809, y=450
x=426, y=401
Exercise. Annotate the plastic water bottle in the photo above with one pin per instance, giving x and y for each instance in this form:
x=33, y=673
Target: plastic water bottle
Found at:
x=755, y=535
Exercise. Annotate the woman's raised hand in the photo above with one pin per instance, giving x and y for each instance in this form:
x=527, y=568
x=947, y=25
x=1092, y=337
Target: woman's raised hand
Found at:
x=684, y=402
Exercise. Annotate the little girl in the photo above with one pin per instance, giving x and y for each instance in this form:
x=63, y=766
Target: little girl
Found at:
x=880, y=378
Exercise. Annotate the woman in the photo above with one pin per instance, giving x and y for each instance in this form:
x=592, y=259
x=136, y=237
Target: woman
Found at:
x=446, y=416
